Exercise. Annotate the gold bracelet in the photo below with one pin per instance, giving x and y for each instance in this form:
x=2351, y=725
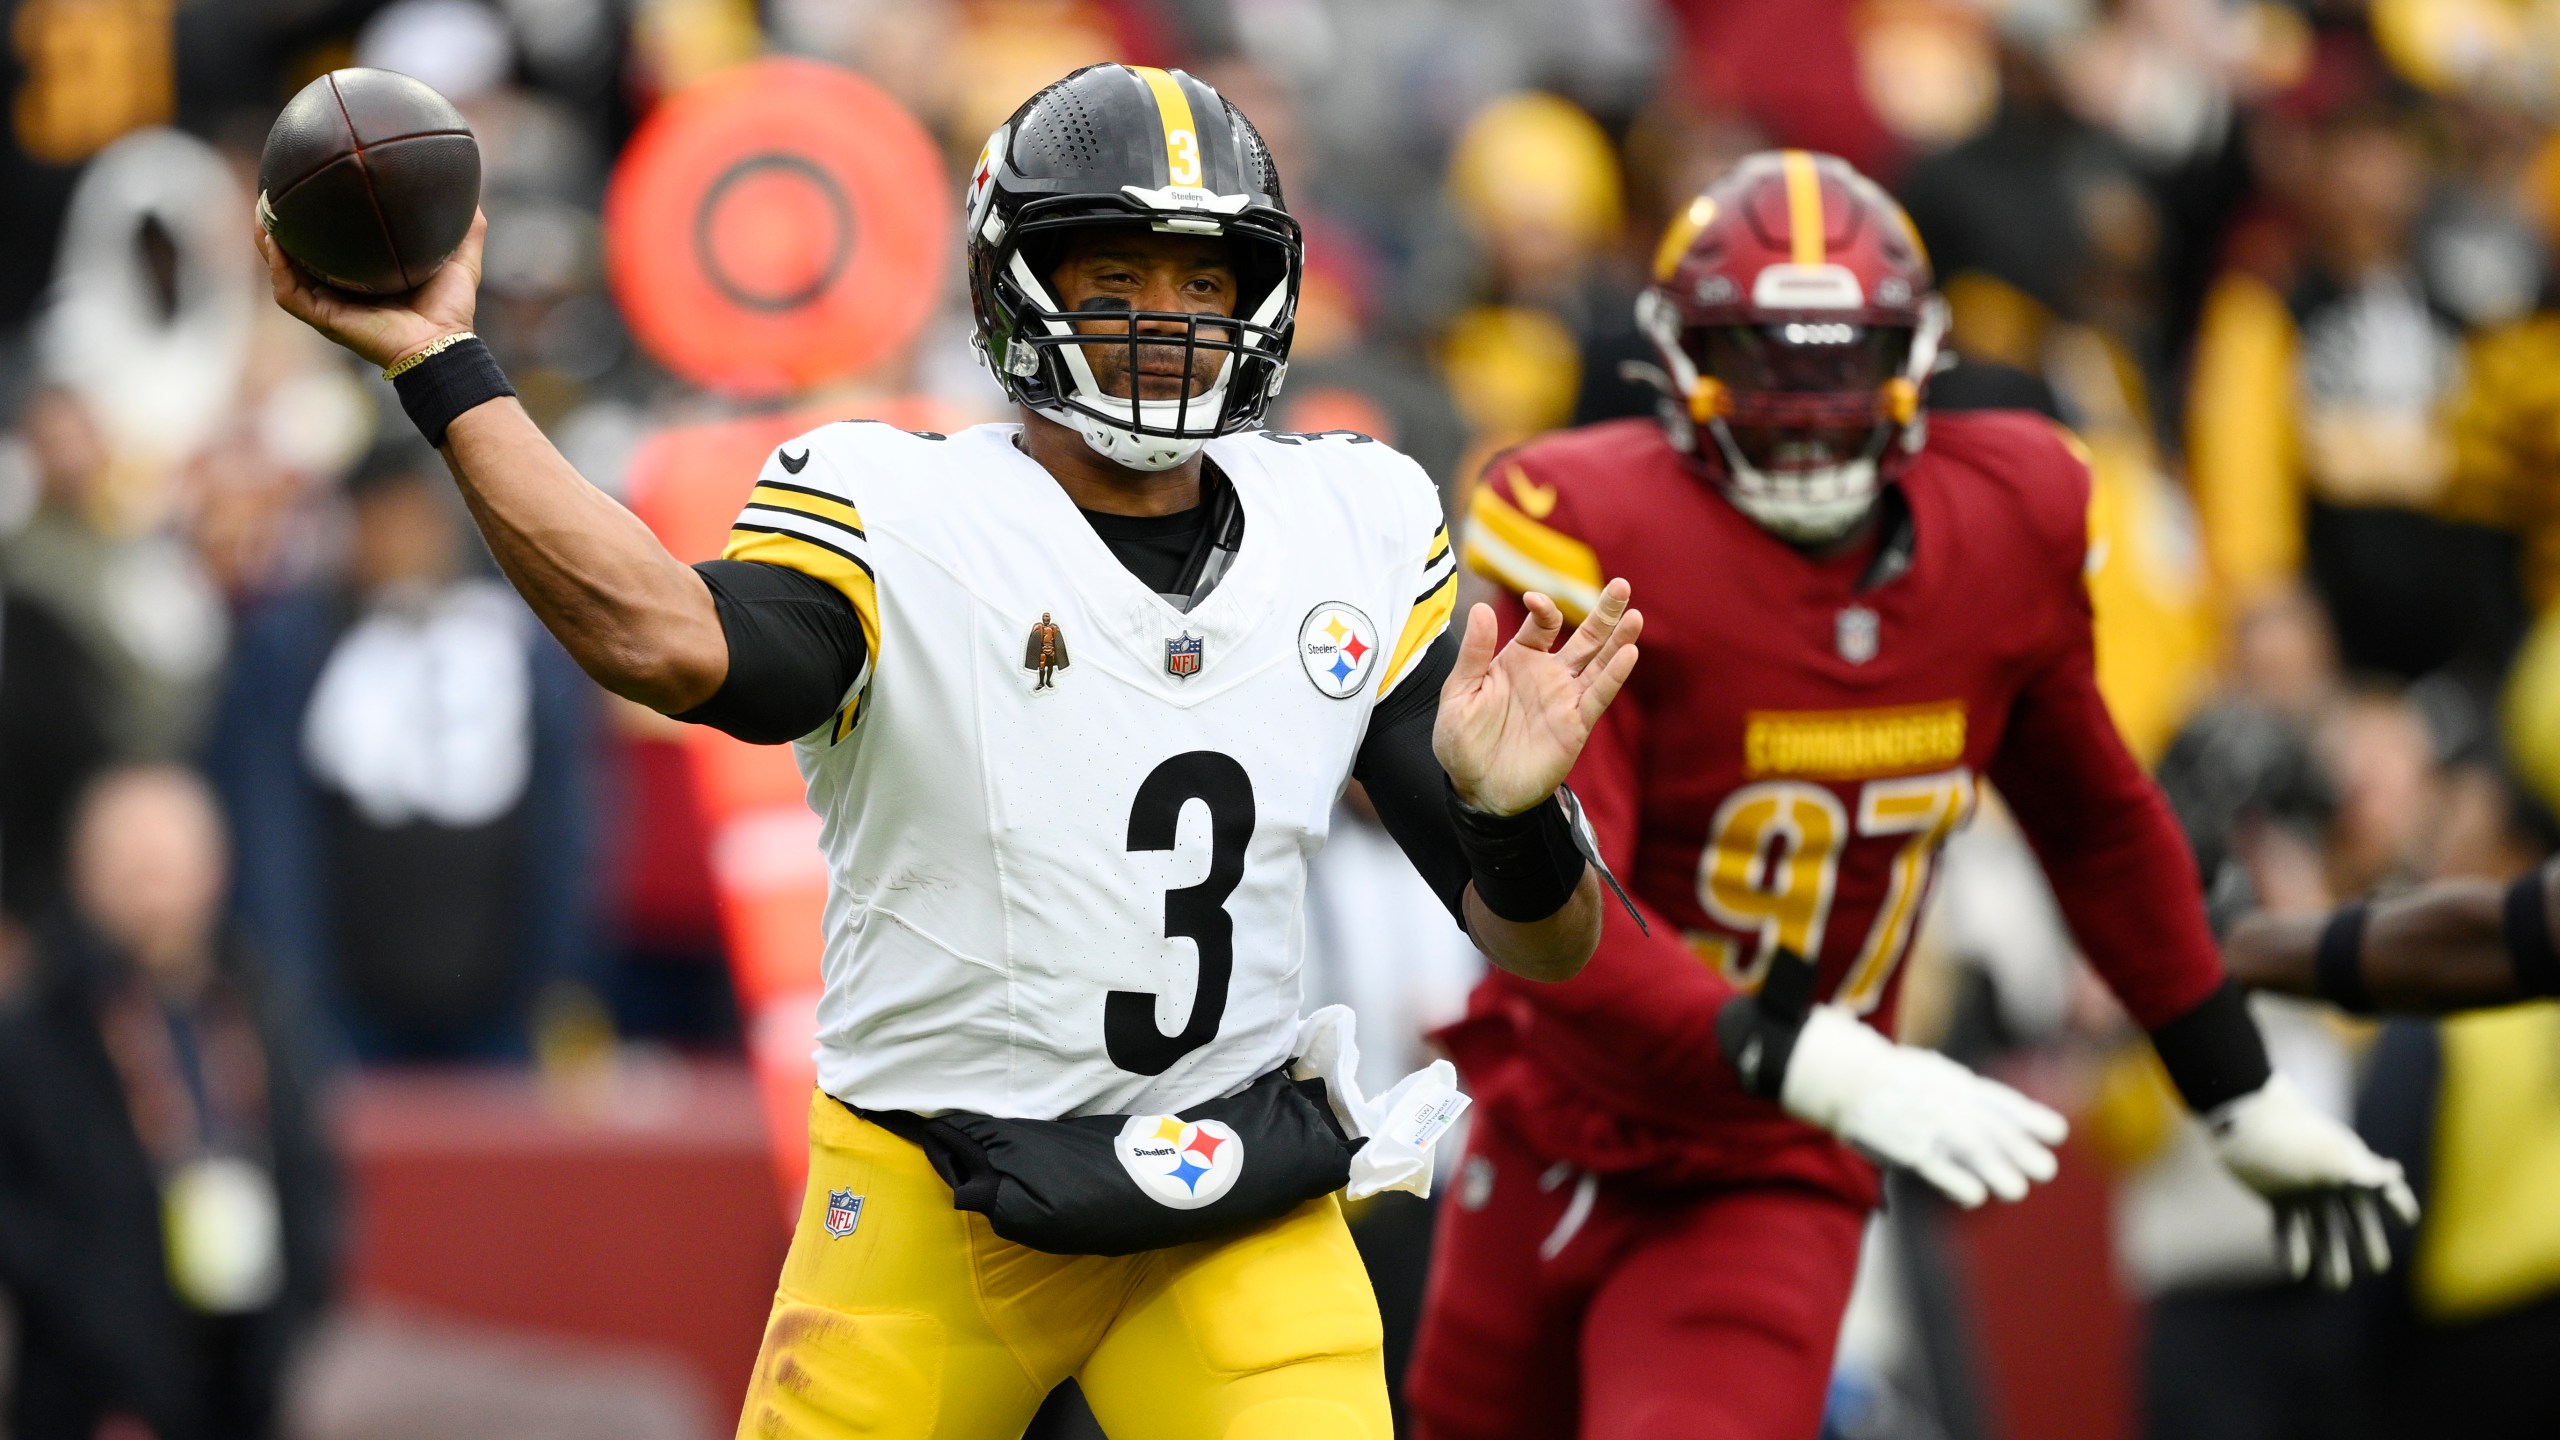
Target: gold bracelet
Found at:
x=434, y=348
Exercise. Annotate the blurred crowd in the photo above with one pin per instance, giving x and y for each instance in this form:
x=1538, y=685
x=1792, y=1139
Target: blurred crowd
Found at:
x=289, y=780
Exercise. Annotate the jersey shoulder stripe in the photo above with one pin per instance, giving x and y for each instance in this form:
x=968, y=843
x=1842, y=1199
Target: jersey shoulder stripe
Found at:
x=804, y=500
x=808, y=525
x=1431, y=611
x=1505, y=545
x=1391, y=505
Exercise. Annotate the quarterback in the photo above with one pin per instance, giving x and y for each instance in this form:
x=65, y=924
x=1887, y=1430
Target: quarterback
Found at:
x=1864, y=613
x=1074, y=698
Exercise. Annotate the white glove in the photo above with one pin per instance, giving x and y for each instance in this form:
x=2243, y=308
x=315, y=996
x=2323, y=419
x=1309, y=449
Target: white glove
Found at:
x=2327, y=1188
x=1970, y=1136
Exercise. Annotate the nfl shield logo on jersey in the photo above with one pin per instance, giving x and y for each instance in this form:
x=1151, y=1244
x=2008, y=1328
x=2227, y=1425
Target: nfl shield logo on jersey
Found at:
x=1856, y=634
x=1182, y=656
x=844, y=1211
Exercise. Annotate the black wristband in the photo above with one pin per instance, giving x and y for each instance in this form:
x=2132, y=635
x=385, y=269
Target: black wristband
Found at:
x=1757, y=1031
x=439, y=388
x=2527, y=928
x=2213, y=1053
x=1525, y=866
x=2337, y=963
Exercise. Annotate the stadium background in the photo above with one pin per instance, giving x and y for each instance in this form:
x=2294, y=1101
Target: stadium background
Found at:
x=2283, y=266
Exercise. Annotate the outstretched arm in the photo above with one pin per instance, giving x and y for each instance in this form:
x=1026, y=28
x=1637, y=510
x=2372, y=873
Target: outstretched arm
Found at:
x=2457, y=945
x=633, y=616
x=2128, y=885
x=1463, y=761
x=1513, y=718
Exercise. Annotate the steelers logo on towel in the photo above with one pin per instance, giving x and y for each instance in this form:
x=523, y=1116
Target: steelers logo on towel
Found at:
x=1339, y=647
x=1181, y=1164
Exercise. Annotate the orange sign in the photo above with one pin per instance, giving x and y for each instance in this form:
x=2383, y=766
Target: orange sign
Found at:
x=780, y=226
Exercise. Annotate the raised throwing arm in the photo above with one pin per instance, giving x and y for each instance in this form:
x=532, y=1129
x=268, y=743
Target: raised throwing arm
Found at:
x=632, y=615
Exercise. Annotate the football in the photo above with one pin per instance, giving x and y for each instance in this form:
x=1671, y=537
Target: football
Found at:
x=369, y=180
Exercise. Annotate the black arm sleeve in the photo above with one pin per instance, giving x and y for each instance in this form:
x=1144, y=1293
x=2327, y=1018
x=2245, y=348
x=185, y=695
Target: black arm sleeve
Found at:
x=795, y=648
x=1405, y=782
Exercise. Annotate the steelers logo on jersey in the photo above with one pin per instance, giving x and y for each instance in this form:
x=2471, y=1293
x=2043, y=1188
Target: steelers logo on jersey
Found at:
x=1339, y=647
x=1181, y=1164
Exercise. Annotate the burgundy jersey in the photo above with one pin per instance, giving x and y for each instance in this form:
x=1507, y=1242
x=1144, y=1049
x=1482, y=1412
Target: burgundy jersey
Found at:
x=1797, y=743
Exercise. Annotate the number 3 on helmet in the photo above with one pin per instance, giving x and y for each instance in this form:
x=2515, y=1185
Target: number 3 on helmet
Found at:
x=1793, y=312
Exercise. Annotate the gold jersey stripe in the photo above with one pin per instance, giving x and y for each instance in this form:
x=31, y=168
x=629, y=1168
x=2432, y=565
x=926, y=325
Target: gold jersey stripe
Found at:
x=1181, y=137
x=839, y=569
x=1804, y=208
x=807, y=502
x=1507, y=546
x=1422, y=625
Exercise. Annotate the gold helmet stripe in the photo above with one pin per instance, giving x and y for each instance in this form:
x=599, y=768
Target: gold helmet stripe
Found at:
x=1684, y=227
x=1181, y=136
x=1804, y=208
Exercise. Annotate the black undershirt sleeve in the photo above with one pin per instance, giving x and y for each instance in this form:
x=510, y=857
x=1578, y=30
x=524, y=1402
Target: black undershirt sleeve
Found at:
x=795, y=648
x=1405, y=782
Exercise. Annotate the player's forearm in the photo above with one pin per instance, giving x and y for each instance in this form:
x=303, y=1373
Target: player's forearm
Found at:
x=1555, y=948
x=2440, y=949
x=632, y=615
x=2120, y=867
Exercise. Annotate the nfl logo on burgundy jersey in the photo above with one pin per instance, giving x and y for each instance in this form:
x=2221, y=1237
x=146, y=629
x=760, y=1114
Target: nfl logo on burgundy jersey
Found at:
x=844, y=1211
x=1182, y=656
x=1855, y=634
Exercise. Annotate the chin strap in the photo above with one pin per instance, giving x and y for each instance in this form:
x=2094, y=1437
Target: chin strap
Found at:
x=1125, y=447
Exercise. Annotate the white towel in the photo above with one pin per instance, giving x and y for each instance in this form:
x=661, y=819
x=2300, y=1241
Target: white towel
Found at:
x=1399, y=1127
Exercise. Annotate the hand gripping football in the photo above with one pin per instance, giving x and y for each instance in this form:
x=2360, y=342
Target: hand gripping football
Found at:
x=369, y=180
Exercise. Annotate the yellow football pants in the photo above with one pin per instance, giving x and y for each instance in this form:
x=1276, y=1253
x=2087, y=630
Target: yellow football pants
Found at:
x=923, y=1324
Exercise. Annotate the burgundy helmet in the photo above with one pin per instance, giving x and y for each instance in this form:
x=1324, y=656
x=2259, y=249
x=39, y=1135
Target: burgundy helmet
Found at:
x=1792, y=308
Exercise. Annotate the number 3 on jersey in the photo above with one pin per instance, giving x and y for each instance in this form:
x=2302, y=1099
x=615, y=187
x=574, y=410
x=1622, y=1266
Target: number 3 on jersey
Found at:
x=1197, y=913
x=1772, y=863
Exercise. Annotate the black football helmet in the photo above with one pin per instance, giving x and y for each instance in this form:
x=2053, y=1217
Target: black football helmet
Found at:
x=1131, y=145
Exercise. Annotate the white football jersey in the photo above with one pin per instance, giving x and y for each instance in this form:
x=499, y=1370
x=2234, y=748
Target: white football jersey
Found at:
x=1086, y=896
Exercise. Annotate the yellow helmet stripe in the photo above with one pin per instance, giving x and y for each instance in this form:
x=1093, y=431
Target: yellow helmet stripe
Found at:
x=1181, y=137
x=1683, y=228
x=1804, y=208
x=1911, y=232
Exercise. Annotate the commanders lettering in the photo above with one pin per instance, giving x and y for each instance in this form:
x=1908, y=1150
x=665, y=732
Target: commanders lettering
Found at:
x=1853, y=744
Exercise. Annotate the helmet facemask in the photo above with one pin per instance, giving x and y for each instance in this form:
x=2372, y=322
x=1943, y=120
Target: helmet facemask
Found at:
x=1092, y=368
x=1804, y=417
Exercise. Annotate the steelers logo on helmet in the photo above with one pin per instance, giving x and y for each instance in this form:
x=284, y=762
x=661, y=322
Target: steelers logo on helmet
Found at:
x=1792, y=313
x=1181, y=1164
x=1153, y=151
x=982, y=178
x=1339, y=647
